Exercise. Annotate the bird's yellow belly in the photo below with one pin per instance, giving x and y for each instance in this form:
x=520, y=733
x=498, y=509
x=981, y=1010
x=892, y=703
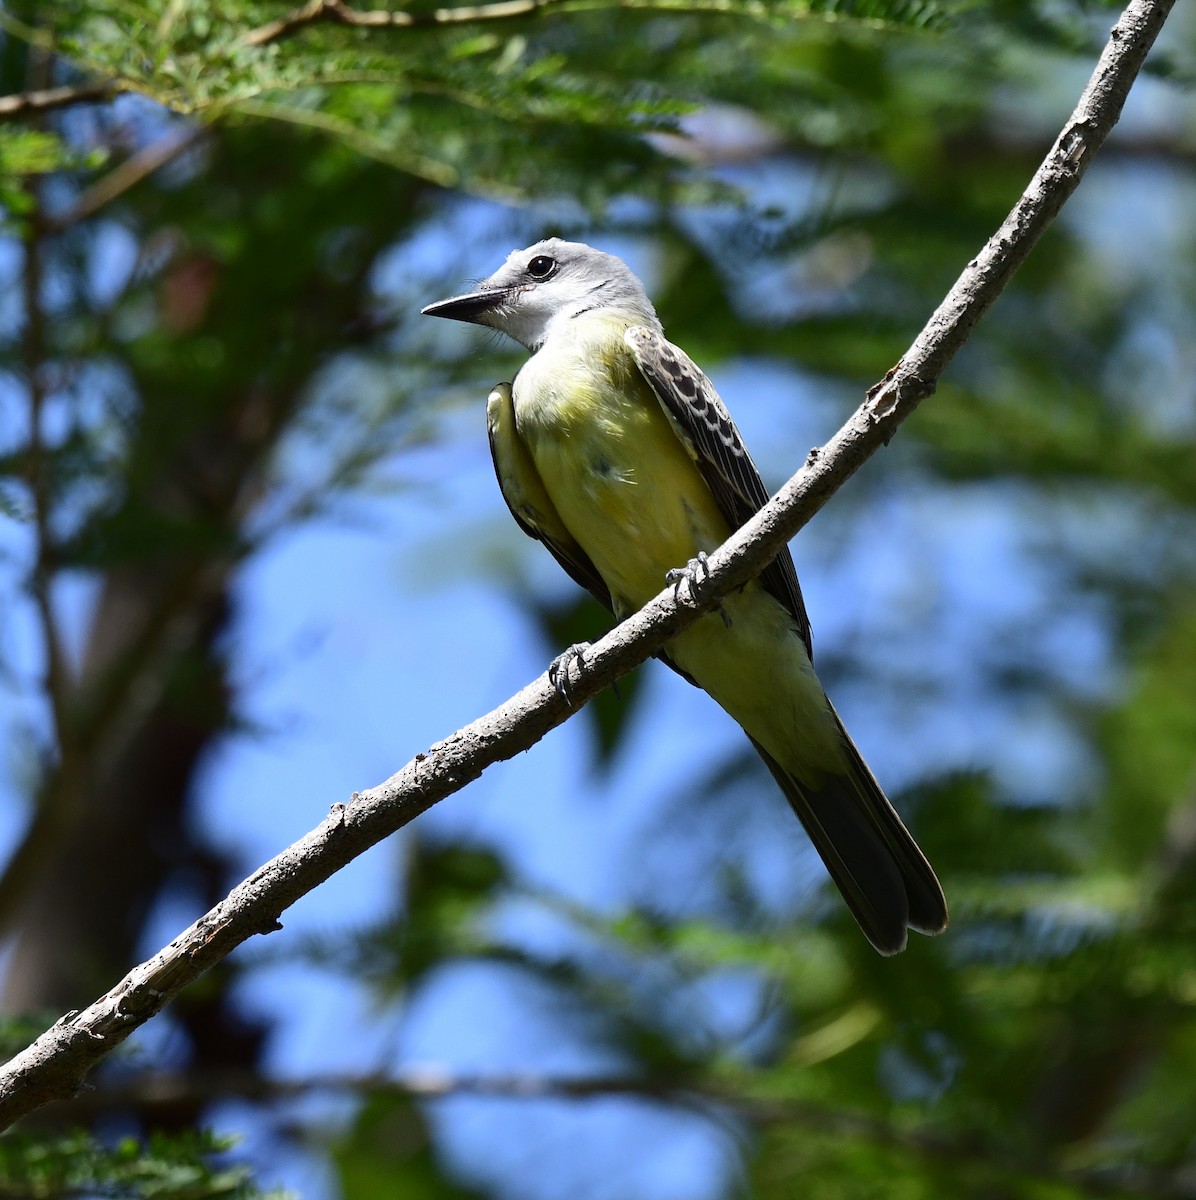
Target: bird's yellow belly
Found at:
x=629, y=493
x=635, y=502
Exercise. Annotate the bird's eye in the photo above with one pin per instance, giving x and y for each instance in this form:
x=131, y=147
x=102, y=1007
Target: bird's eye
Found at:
x=541, y=267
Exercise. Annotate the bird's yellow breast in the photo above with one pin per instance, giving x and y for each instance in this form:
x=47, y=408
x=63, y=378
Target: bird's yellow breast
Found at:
x=627, y=490
x=619, y=477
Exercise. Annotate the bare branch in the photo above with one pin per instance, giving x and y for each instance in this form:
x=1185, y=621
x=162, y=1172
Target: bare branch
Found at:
x=45, y=99
x=33, y=350
x=127, y=174
x=162, y=1091
x=336, y=12
x=56, y=1064
x=326, y=11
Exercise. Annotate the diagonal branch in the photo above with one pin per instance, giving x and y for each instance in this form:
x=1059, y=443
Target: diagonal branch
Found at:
x=126, y=175
x=46, y=99
x=337, y=12
x=163, y=1091
x=55, y=1065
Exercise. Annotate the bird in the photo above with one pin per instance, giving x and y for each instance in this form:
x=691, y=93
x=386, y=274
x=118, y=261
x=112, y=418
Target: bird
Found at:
x=614, y=450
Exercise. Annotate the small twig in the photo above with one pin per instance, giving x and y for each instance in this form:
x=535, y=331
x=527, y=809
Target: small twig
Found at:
x=336, y=12
x=55, y=1065
x=127, y=174
x=46, y=99
x=432, y=1082
x=33, y=348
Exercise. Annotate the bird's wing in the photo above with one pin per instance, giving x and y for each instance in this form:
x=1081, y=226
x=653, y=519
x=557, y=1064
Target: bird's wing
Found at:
x=533, y=510
x=700, y=419
x=527, y=498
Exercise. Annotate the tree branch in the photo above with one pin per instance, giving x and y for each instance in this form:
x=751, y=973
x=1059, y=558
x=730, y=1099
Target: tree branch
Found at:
x=38, y=472
x=46, y=99
x=127, y=174
x=162, y=1091
x=336, y=12
x=55, y=1065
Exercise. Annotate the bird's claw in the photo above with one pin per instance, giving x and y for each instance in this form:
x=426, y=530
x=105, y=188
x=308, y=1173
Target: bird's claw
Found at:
x=559, y=668
x=689, y=574
x=695, y=573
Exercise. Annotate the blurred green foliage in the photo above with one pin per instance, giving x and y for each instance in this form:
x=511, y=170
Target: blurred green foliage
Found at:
x=177, y=1167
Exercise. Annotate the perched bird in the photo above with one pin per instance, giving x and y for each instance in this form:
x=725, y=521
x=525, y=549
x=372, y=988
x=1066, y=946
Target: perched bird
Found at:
x=614, y=450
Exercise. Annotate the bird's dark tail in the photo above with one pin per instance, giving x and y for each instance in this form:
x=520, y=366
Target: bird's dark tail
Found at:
x=873, y=859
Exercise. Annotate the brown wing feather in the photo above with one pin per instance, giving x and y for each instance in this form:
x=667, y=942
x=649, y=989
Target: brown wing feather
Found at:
x=700, y=419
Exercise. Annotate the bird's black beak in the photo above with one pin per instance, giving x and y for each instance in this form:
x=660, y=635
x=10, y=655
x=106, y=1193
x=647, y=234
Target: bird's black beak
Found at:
x=471, y=307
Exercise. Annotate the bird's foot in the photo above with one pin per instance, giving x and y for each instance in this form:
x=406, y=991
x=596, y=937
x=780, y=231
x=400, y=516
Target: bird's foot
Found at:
x=695, y=573
x=689, y=573
x=558, y=670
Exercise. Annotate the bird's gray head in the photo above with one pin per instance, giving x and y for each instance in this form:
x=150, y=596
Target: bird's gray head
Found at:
x=541, y=288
